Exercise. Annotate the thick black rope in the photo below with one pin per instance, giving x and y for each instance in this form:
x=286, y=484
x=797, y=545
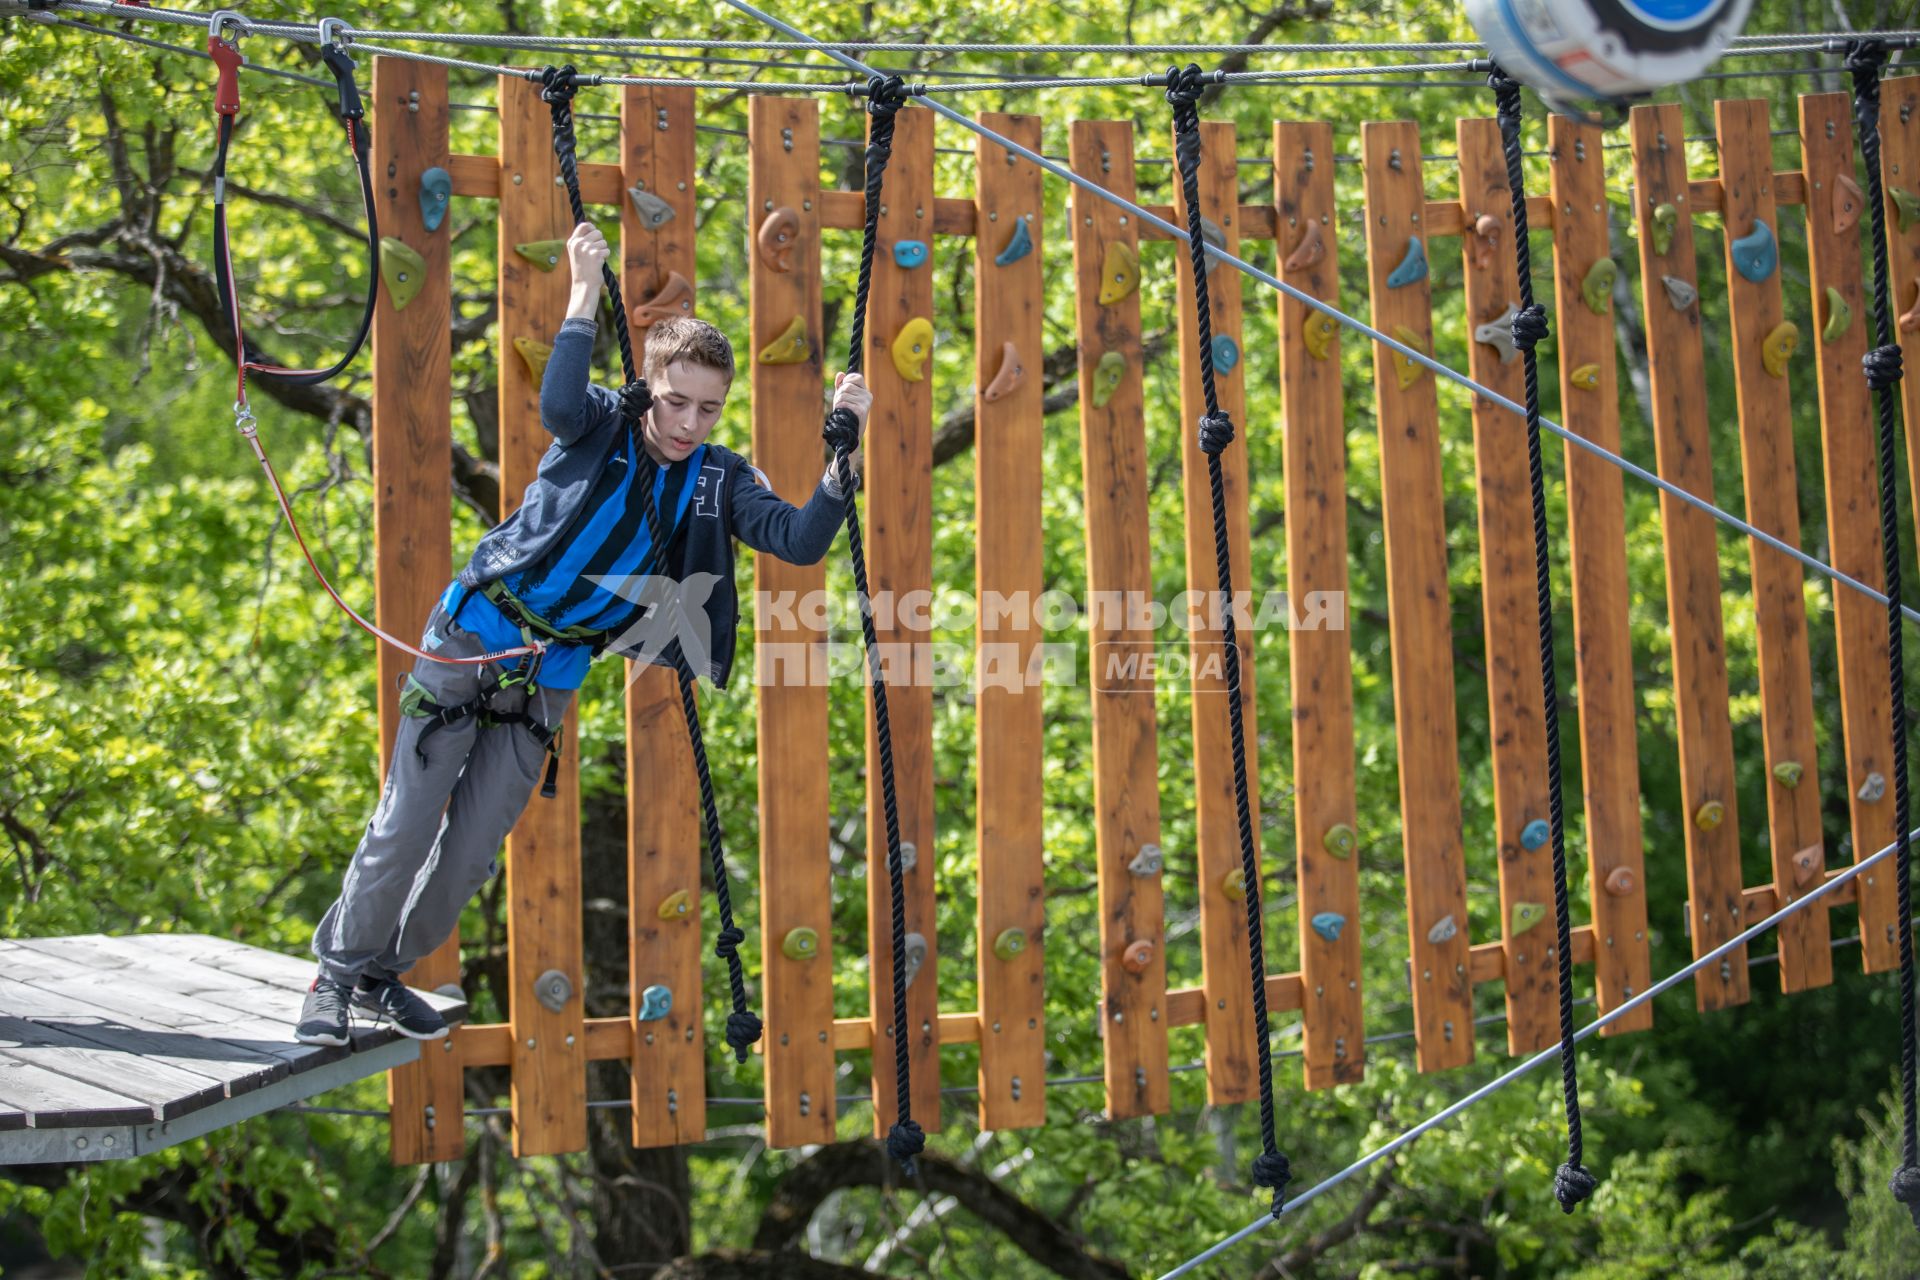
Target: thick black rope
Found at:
x=559, y=84
x=1572, y=1183
x=1882, y=364
x=1270, y=1167
x=885, y=96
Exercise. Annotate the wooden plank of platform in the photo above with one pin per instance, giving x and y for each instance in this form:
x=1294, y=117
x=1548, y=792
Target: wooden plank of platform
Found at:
x=48, y=1099
x=166, y=1089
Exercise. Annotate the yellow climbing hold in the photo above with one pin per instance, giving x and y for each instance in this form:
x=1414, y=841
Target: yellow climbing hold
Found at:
x=1587, y=377
x=1319, y=334
x=791, y=347
x=912, y=347
x=1779, y=348
x=1234, y=885
x=1409, y=372
x=536, y=354
x=1119, y=273
x=1710, y=815
x=675, y=905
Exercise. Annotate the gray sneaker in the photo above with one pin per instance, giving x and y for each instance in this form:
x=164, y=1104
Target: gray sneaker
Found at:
x=391, y=1001
x=323, y=1018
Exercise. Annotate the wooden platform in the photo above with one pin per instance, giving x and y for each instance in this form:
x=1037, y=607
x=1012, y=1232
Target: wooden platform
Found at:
x=114, y=1047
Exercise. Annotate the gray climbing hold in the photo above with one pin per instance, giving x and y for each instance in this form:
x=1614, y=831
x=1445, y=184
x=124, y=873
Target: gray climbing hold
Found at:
x=1211, y=233
x=1680, y=293
x=1147, y=862
x=916, y=955
x=1498, y=334
x=654, y=212
x=1443, y=931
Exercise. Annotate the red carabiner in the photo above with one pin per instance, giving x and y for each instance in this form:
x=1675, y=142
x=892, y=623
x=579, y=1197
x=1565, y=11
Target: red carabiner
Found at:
x=226, y=56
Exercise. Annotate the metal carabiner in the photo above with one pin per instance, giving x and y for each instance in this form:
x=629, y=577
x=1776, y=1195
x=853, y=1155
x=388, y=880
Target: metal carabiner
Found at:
x=221, y=17
x=336, y=40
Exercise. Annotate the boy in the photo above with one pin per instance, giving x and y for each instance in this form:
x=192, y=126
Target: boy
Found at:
x=562, y=569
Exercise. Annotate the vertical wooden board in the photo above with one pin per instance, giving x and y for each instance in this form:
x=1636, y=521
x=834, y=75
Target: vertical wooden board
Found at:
x=1597, y=538
x=1849, y=437
x=543, y=851
x=789, y=654
x=898, y=489
x=663, y=815
x=1509, y=602
x=1900, y=170
x=1232, y=1055
x=1416, y=537
x=1779, y=585
x=1676, y=366
x=413, y=508
x=1010, y=744
x=1319, y=655
x=1126, y=792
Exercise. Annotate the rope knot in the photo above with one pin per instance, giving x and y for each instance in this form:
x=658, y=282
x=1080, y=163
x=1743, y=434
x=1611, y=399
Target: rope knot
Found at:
x=743, y=1031
x=842, y=430
x=1906, y=1189
x=1216, y=431
x=1572, y=1184
x=885, y=95
x=1529, y=326
x=905, y=1141
x=635, y=399
x=1184, y=88
x=1271, y=1170
x=1882, y=365
x=727, y=945
x=558, y=85
x=1506, y=94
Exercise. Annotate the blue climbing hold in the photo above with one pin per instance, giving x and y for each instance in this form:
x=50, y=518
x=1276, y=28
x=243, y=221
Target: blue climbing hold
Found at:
x=1328, y=925
x=655, y=1003
x=1535, y=834
x=909, y=253
x=436, y=189
x=1757, y=253
x=1226, y=354
x=1412, y=268
x=1019, y=245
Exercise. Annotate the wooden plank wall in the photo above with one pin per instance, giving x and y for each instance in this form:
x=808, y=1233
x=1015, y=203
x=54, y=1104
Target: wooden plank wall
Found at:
x=663, y=791
x=1416, y=538
x=1232, y=1055
x=1779, y=585
x=1676, y=367
x=795, y=862
x=413, y=513
x=1319, y=656
x=1126, y=792
x=1509, y=601
x=1010, y=741
x=1597, y=537
x=1900, y=170
x=1850, y=443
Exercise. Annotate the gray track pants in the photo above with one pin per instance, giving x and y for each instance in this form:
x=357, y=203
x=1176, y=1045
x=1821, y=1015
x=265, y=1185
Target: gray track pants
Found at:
x=432, y=841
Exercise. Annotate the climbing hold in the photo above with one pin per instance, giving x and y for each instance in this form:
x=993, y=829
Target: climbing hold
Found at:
x=1010, y=943
x=1535, y=834
x=1310, y=250
x=1498, y=334
x=779, y=236
x=553, y=989
x=1873, y=788
x=800, y=944
x=436, y=190
x=791, y=347
x=674, y=299
x=544, y=254
x=1340, y=840
x=1328, y=925
x=404, y=270
x=1525, y=916
x=1119, y=273
x=1586, y=377
x=1210, y=233
x=1620, y=881
x=1709, y=815
x=1665, y=219
x=1848, y=201
x=1680, y=293
x=1106, y=377
x=1788, y=773
x=1412, y=268
x=914, y=956
x=1010, y=375
x=911, y=347
x=654, y=212
x=675, y=905
x=1018, y=245
x=1808, y=863
x=1596, y=290
x=656, y=1002
x=1756, y=254
x=1147, y=862
x=1443, y=931
x=1486, y=230
x=1779, y=346
x=536, y=354
x=1910, y=318
x=1319, y=333
x=1234, y=884
x=1226, y=354
x=1137, y=956
x=1839, y=316
x=909, y=253
x=1403, y=365
x=1906, y=204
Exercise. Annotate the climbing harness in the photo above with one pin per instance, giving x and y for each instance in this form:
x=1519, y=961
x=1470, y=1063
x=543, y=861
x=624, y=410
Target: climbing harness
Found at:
x=1882, y=366
x=886, y=95
x=1572, y=1183
x=1184, y=89
x=417, y=701
x=558, y=86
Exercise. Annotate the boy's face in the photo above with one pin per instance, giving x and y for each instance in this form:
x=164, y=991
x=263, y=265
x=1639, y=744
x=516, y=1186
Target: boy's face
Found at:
x=687, y=400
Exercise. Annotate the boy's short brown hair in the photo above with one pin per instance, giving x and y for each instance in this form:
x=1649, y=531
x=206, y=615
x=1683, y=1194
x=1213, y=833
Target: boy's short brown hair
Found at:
x=684, y=338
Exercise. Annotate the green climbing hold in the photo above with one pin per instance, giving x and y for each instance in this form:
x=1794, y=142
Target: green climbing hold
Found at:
x=800, y=944
x=1525, y=916
x=1597, y=289
x=1906, y=204
x=544, y=254
x=1010, y=943
x=1788, y=773
x=1106, y=377
x=1839, y=316
x=404, y=270
x=1340, y=840
x=1665, y=219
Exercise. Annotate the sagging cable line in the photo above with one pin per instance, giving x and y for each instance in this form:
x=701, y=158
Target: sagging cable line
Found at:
x=1333, y=313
